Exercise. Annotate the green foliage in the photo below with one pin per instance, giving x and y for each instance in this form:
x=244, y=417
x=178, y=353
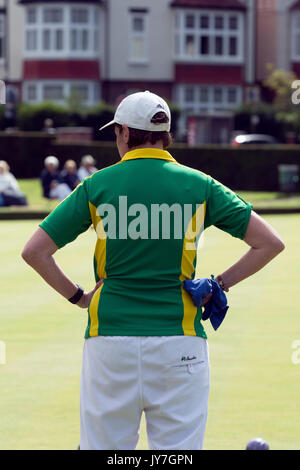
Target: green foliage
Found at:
x=31, y=117
x=98, y=115
x=280, y=82
x=276, y=118
x=290, y=120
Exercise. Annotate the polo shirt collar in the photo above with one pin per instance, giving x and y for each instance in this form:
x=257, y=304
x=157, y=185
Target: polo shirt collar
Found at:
x=148, y=153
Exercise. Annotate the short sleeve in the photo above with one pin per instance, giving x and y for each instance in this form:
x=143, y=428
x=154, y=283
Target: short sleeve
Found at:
x=226, y=210
x=70, y=218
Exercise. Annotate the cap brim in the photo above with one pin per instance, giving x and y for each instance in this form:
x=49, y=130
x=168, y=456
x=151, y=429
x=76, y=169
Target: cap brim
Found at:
x=108, y=124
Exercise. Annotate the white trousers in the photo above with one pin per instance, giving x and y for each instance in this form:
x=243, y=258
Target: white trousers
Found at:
x=167, y=377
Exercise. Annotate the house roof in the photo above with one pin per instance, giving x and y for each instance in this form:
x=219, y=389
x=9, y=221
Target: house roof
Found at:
x=231, y=4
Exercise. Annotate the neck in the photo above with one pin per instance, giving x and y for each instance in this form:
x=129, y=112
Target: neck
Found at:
x=158, y=145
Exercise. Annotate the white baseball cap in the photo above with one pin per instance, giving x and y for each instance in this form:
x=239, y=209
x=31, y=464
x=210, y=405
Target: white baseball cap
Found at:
x=137, y=110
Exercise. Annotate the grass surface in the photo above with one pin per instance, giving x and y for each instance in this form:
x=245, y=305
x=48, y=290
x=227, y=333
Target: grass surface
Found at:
x=260, y=199
x=254, y=384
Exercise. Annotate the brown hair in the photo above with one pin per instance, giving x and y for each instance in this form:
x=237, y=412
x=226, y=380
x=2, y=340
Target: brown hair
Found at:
x=138, y=137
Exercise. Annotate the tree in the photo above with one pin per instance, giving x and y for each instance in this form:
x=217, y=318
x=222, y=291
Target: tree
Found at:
x=280, y=82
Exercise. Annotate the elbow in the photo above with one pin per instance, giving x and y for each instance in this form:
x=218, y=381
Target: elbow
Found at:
x=28, y=255
x=277, y=246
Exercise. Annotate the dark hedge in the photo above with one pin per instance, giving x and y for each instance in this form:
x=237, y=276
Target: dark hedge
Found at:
x=243, y=168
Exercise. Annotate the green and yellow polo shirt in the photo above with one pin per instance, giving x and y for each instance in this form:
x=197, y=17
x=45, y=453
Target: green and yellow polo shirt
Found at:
x=148, y=212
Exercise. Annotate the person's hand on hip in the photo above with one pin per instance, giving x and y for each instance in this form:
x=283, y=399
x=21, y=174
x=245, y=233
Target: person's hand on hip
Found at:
x=87, y=296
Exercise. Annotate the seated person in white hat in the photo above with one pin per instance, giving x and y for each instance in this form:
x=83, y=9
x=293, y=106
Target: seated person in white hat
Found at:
x=50, y=173
x=87, y=167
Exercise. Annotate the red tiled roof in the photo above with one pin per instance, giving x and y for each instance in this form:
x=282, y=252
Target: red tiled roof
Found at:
x=233, y=4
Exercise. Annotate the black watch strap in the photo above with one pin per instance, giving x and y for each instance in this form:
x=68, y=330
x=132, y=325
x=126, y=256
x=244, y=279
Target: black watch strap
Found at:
x=77, y=296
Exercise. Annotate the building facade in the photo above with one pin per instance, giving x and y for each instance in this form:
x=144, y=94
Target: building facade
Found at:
x=207, y=56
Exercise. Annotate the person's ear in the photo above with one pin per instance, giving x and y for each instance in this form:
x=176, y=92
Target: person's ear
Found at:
x=125, y=133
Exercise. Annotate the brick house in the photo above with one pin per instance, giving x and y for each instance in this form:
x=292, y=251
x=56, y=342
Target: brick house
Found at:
x=205, y=55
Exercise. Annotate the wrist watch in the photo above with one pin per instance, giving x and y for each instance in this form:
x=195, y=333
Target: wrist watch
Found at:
x=77, y=296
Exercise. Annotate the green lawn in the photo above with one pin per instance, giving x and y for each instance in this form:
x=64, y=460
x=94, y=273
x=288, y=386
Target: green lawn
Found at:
x=260, y=199
x=255, y=385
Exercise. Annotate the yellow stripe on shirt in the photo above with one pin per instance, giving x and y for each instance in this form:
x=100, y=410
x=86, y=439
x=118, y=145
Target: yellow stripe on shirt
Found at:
x=100, y=248
x=100, y=256
x=189, y=253
x=93, y=312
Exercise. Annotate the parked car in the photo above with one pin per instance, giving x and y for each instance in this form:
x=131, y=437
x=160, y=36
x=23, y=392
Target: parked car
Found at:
x=254, y=139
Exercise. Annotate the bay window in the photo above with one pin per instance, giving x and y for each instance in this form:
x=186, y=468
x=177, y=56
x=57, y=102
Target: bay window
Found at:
x=197, y=98
x=59, y=90
x=295, y=36
x=62, y=31
x=2, y=37
x=209, y=36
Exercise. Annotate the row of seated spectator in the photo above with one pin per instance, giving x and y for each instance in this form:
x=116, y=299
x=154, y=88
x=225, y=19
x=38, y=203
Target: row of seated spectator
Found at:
x=10, y=192
x=59, y=184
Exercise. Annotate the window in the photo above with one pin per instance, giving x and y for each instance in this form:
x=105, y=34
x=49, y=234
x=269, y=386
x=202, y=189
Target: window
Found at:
x=53, y=15
x=204, y=45
x=209, y=36
x=204, y=92
x=58, y=40
x=295, y=36
x=201, y=99
x=61, y=31
x=54, y=34
x=232, y=95
x=198, y=98
x=79, y=40
x=233, y=47
x=31, y=93
x=79, y=15
x=46, y=39
x=204, y=21
x=31, y=40
x=218, y=95
x=59, y=90
x=80, y=37
x=219, y=22
x=219, y=45
x=138, y=40
x=190, y=45
x=233, y=22
x=53, y=92
x=2, y=36
x=82, y=91
x=31, y=15
x=189, y=94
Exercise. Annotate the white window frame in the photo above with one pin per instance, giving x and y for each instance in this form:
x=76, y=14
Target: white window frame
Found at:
x=144, y=35
x=65, y=27
x=196, y=106
x=295, y=32
x=2, y=37
x=93, y=88
x=181, y=31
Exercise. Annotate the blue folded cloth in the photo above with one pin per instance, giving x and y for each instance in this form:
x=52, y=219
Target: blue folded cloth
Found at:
x=216, y=308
